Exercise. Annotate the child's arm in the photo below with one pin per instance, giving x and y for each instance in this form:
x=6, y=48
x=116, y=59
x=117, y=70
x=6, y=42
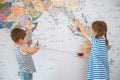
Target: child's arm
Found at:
x=32, y=51
x=83, y=30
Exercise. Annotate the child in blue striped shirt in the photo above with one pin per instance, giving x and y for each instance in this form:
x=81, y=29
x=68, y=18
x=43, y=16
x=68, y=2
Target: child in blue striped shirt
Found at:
x=98, y=66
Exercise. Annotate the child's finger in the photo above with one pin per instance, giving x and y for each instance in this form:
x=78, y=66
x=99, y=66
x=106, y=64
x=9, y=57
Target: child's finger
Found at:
x=76, y=21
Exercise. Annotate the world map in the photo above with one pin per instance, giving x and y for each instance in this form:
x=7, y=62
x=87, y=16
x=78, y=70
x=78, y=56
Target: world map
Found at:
x=52, y=24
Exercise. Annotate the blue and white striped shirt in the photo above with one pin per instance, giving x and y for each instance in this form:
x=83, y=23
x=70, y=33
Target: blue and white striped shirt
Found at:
x=98, y=66
x=25, y=61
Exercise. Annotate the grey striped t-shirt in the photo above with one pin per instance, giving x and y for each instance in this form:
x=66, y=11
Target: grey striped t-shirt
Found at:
x=25, y=61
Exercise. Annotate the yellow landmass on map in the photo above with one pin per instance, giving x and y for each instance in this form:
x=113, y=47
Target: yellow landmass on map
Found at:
x=58, y=3
x=69, y=4
x=72, y=4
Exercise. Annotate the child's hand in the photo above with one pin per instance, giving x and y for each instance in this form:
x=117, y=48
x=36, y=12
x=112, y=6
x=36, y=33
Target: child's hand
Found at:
x=37, y=43
x=77, y=22
x=37, y=47
x=83, y=55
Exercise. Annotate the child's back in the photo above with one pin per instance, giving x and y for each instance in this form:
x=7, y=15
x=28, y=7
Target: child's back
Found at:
x=98, y=66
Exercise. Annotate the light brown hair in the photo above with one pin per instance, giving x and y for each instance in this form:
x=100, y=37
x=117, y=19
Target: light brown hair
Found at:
x=100, y=28
x=17, y=34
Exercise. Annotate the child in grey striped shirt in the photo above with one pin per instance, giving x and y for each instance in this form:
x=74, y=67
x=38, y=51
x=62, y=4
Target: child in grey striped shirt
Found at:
x=23, y=54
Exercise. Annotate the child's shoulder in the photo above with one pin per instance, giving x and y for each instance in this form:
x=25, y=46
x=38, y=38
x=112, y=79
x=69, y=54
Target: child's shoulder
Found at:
x=92, y=38
x=24, y=45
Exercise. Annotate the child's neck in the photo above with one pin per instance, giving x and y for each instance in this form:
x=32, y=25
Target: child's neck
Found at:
x=17, y=44
x=100, y=37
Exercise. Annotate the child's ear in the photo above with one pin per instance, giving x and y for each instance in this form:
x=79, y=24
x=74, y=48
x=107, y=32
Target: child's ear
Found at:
x=20, y=40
